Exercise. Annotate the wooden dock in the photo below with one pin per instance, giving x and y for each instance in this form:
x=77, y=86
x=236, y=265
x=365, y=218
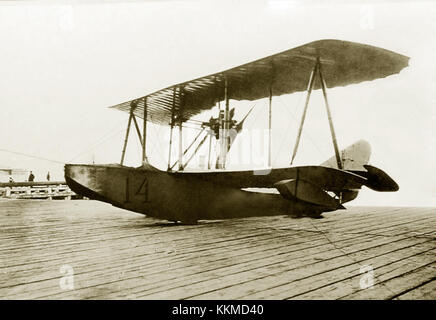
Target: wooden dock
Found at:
x=115, y=254
x=37, y=190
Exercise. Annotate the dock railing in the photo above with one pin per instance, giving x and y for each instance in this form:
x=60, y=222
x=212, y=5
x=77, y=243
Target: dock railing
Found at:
x=36, y=190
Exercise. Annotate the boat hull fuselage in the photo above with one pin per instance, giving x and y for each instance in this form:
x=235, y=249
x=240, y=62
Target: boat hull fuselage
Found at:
x=176, y=197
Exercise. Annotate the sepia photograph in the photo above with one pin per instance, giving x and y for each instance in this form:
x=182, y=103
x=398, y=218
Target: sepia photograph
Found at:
x=233, y=151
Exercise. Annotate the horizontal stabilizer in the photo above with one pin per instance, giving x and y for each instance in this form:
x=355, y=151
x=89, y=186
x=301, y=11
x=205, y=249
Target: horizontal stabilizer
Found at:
x=378, y=180
x=305, y=191
x=330, y=179
x=355, y=160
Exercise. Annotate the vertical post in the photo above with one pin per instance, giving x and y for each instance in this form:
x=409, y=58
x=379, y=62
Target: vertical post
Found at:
x=144, y=134
x=171, y=129
x=127, y=136
x=332, y=129
x=303, y=117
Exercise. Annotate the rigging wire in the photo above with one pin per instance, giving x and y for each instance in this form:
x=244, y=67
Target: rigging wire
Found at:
x=96, y=145
x=254, y=117
x=154, y=147
x=353, y=260
x=289, y=110
x=100, y=140
x=32, y=156
x=306, y=134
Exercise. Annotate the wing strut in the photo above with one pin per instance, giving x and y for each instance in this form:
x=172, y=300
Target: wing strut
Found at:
x=180, y=161
x=317, y=69
x=272, y=78
x=306, y=104
x=127, y=137
x=137, y=129
x=224, y=134
x=171, y=129
x=181, y=91
x=132, y=117
x=269, y=126
x=196, y=150
x=226, y=124
x=189, y=147
x=210, y=147
x=144, y=133
x=332, y=129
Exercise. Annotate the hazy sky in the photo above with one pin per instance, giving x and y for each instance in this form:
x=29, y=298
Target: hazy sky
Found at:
x=64, y=62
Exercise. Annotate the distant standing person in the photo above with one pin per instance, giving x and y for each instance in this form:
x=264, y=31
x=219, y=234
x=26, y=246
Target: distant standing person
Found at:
x=48, y=176
x=31, y=177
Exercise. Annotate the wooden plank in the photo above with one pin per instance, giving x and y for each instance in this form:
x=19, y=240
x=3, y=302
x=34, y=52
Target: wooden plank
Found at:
x=194, y=266
x=346, y=279
x=426, y=291
x=301, y=272
x=119, y=254
x=101, y=255
x=407, y=279
x=72, y=229
x=264, y=271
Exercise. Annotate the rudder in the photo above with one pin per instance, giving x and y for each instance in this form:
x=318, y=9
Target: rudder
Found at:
x=353, y=158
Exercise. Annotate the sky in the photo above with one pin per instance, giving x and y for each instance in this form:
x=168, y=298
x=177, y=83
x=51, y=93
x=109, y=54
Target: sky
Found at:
x=63, y=63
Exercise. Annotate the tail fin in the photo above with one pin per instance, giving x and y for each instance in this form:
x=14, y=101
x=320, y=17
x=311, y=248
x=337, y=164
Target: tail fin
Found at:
x=353, y=157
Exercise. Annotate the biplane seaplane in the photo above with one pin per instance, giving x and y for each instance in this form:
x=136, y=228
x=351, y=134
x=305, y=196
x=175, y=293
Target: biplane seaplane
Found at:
x=177, y=194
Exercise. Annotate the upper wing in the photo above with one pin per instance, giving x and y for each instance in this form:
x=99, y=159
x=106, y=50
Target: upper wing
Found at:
x=342, y=62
